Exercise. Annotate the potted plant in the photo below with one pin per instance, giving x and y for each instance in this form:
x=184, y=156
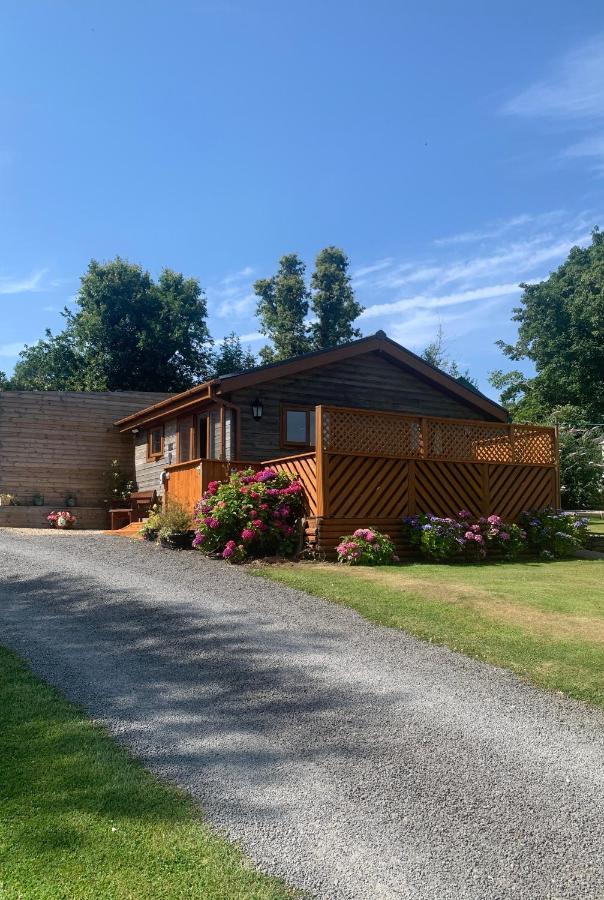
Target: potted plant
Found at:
x=38, y=499
x=70, y=499
x=151, y=527
x=62, y=519
x=176, y=527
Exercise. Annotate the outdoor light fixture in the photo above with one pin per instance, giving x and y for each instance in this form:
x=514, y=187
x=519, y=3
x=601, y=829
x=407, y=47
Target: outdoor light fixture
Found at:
x=135, y=431
x=257, y=409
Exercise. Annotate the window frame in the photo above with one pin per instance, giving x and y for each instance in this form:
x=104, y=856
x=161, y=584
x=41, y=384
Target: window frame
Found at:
x=192, y=438
x=296, y=407
x=151, y=456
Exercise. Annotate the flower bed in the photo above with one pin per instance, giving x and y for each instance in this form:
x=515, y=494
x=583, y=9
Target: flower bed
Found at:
x=366, y=547
x=254, y=514
x=552, y=534
x=466, y=537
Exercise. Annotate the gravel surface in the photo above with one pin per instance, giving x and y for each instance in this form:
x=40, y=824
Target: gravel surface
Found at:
x=352, y=760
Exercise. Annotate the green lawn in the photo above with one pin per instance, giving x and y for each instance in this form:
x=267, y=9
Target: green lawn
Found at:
x=79, y=818
x=543, y=620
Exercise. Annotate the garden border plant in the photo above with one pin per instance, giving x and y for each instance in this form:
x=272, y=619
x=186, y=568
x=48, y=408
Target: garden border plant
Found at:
x=545, y=533
x=252, y=515
x=366, y=547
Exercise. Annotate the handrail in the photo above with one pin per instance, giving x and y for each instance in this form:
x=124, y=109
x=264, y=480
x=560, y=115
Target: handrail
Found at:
x=403, y=436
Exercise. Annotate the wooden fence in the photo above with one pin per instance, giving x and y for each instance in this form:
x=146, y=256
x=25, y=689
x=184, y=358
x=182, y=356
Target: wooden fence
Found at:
x=187, y=481
x=375, y=468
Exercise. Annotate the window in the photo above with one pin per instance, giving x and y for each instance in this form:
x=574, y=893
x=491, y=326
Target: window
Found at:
x=155, y=442
x=297, y=426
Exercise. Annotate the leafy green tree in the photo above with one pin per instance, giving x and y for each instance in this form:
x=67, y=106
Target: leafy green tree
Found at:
x=561, y=330
x=52, y=364
x=581, y=461
x=282, y=307
x=436, y=354
x=332, y=301
x=4, y=382
x=232, y=357
x=127, y=333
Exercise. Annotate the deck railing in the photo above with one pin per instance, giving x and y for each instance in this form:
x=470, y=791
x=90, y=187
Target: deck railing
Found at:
x=371, y=433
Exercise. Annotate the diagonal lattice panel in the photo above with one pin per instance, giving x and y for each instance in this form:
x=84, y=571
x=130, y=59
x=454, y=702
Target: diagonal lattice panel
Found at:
x=513, y=489
x=445, y=488
x=366, y=486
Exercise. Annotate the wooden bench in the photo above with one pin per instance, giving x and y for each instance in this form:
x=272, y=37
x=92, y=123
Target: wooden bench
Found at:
x=140, y=502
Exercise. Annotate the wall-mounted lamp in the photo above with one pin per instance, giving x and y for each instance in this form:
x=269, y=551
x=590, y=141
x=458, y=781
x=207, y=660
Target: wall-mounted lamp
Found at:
x=135, y=431
x=257, y=409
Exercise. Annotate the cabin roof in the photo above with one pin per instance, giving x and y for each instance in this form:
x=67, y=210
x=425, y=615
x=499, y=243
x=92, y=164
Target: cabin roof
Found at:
x=378, y=343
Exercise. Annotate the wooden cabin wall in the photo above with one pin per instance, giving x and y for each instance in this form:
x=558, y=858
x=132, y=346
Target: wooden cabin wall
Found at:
x=367, y=381
x=54, y=442
x=148, y=472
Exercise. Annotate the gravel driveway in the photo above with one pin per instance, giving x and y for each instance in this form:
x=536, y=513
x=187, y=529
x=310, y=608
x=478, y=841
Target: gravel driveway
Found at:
x=352, y=760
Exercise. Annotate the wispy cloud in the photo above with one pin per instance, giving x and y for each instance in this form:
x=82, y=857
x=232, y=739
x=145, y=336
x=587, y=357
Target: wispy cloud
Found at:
x=436, y=302
x=460, y=291
x=499, y=229
x=573, y=90
x=573, y=96
x=232, y=295
x=22, y=285
x=11, y=351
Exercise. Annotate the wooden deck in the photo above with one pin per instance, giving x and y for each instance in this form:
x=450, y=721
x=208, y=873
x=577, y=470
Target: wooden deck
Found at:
x=374, y=468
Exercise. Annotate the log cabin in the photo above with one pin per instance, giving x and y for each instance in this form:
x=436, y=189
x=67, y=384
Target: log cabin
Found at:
x=373, y=431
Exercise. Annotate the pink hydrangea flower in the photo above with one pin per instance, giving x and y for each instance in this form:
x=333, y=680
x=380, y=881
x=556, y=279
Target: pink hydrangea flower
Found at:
x=469, y=535
x=212, y=487
x=504, y=535
x=248, y=534
x=229, y=549
x=494, y=520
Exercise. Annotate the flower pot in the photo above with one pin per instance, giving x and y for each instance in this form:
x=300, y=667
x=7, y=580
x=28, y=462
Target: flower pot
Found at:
x=70, y=501
x=38, y=501
x=177, y=541
x=150, y=535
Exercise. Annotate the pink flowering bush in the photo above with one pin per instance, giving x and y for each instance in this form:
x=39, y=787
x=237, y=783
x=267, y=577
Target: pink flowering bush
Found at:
x=464, y=536
x=366, y=547
x=253, y=514
x=61, y=519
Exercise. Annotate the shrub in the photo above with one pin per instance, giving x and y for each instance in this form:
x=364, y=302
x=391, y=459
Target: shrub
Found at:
x=250, y=515
x=366, y=547
x=464, y=536
x=118, y=485
x=150, y=528
x=173, y=520
x=554, y=534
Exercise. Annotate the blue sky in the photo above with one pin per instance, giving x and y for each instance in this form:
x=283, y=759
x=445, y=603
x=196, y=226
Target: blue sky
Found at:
x=453, y=150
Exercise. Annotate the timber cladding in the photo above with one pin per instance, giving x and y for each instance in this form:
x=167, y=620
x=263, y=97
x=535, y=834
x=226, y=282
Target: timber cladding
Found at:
x=367, y=381
x=55, y=442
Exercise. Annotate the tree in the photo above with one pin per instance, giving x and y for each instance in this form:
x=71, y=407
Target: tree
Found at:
x=332, y=301
x=561, y=330
x=52, y=364
x=282, y=307
x=581, y=448
x=231, y=357
x=436, y=354
x=5, y=384
x=127, y=333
